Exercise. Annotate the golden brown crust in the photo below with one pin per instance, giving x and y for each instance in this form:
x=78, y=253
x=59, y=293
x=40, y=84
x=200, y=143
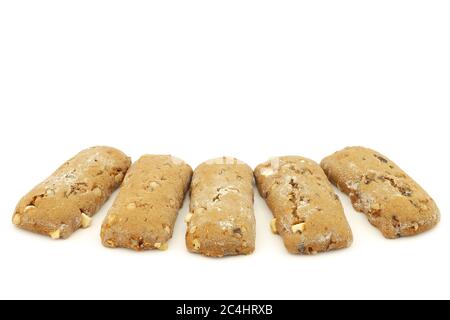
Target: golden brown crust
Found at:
x=308, y=214
x=392, y=201
x=67, y=199
x=144, y=213
x=221, y=221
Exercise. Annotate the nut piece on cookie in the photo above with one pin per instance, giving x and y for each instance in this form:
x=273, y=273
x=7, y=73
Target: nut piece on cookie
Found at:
x=85, y=220
x=273, y=226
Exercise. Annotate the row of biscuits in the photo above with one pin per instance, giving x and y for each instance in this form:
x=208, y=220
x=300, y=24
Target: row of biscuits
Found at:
x=307, y=213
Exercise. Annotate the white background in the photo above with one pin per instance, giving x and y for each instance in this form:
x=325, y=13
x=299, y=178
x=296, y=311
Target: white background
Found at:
x=201, y=79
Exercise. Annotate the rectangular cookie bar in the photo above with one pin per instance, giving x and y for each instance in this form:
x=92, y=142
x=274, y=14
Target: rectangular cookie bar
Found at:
x=221, y=221
x=392, y=201
x=68, y=199
x=307, y=213
x=144, y=213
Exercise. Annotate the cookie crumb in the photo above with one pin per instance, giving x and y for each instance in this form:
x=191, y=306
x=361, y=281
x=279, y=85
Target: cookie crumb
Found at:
x=85, y=220
x=161, y=246
x=188, y=217
x=55, y=234
x=196, y=244
x=17, y=219
x=298, y=228
x=29, y=208
x=273, y=226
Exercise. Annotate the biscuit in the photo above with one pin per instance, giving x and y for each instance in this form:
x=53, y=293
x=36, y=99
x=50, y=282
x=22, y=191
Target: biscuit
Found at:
x=307, y=213
x=392, y=201
x=68, y=199
x=144, y=213
x=221, y=221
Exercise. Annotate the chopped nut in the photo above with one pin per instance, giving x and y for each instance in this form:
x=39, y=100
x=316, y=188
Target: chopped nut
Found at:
x=273, y=226
x=136, y=243
x=298, y=227
x=376, y=206
x=200, y=210
x=370, y=177
x=196, y=244
x=153, y=185
x=111, y=219
x=381, y=158
x=50, y=192
x=131, y=206
x=28, y=208
x=85, y=220
x=110, y=243
x=97, y=191
x=224, y=160
x=352, y=185
x=415, y=226
x=55, y=234
x=17, y=219
x=161, y=246
x=192, y=229
x=119, y=177
x=167, y=229
x=267, y=171
x=188, y=217
x=275, y=164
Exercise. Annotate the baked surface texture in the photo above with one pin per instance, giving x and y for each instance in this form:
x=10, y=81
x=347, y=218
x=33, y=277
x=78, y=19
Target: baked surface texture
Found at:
x=221, y=221
x=67, y=200
x=392, y=201
x=144, y=213
x=307, y=213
